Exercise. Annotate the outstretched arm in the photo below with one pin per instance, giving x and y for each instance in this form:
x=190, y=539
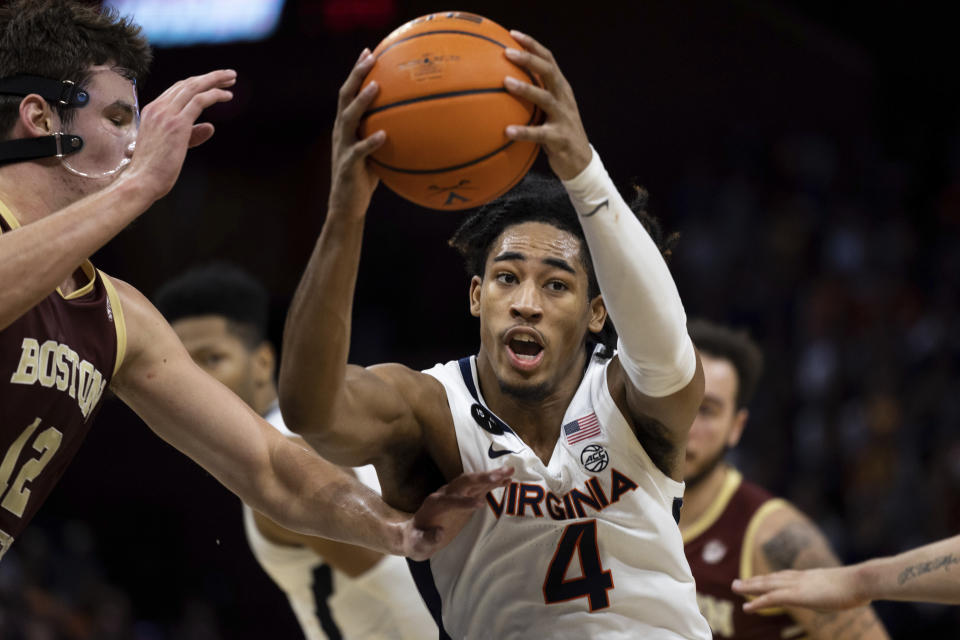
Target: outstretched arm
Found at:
x=925, y=574
x=787, y=539
x=664, y=381
x=294, y=487
x=41, y=255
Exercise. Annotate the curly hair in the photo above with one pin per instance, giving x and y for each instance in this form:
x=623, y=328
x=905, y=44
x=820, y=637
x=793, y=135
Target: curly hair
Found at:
x=61, y=40
x=541, y=198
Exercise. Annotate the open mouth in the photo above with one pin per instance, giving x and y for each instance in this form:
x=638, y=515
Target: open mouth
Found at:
x=525, y=350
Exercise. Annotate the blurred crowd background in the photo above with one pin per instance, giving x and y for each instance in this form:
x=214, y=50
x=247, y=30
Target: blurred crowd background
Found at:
x=809, y=156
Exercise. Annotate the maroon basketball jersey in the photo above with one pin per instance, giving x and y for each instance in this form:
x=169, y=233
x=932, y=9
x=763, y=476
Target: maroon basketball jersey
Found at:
x=715, y=546
x=56, y=361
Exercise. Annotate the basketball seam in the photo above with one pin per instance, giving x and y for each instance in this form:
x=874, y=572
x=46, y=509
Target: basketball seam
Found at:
x=435, y=96
x=533, y=118
x=447, y=31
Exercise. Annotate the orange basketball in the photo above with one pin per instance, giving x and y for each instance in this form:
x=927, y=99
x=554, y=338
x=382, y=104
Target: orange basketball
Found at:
x=444, y=109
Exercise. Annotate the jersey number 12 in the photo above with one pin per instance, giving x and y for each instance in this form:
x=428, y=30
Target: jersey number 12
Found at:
x=593, y=583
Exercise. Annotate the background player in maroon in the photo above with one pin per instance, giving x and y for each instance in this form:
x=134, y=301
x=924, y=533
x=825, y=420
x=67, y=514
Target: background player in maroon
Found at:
x=67, y=331
x=735, y=529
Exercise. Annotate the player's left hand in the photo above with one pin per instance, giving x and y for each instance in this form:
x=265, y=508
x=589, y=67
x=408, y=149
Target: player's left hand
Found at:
x=445, y=511
x=828, y=589
x=561, y=134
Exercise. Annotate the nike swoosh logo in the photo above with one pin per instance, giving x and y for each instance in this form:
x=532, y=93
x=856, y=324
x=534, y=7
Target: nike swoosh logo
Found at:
x=496, y=453
x=595, y=209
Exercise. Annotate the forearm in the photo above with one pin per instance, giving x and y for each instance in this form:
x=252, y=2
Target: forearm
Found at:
x=316, y=337
x=309, y=495
x=928, y=574
x=638, y=290
x=41, y=255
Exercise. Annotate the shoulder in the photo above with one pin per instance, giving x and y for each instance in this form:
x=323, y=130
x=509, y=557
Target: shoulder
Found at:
x=783, y=537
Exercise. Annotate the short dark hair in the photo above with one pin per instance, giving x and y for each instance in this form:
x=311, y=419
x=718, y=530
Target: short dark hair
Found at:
x=541, y=198
x=61, y=40
x=734, y=346
x=219, y=289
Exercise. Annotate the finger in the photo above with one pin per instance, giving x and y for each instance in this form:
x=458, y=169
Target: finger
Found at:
x=350, y=86
x=200, y=134
x=751, y=586
x=542, y=134
x=365, y=147
x=191, y=87
x=351, y=114
x=531, y=44
x=762, y=602
x=543, y=98
x=548, y=71
x=479, y=483
x=457, y=502
x=204, y=100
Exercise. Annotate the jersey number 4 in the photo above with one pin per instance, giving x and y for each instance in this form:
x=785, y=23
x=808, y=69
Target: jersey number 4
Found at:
x=593, y=583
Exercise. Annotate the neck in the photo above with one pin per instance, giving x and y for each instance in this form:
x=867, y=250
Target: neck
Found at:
x=537, y=419
x=35, y=203
x=698, y=497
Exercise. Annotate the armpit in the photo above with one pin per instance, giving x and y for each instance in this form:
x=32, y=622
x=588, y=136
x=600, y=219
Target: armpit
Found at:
x=654, y=437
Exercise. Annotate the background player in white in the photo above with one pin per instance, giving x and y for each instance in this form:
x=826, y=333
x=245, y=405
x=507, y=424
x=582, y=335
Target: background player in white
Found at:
x=569, y=421
x=336, y=590
x=69, y=69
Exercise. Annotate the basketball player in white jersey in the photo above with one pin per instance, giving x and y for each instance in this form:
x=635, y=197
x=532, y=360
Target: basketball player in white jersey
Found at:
x=336, y=590
x=584, y=542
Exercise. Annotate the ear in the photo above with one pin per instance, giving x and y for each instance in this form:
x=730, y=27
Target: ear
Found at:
x=739, y=422
x=36, y=117
x=598, y=314
x=476, y=282
x=264, y=364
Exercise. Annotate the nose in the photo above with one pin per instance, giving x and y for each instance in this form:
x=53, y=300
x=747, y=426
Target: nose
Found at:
x=526, y=302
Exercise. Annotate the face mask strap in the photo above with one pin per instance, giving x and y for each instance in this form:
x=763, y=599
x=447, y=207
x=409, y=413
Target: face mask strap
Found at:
x=63, y=92
x=56, y=145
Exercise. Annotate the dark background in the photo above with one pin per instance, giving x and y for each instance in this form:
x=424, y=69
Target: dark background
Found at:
x=808, y=155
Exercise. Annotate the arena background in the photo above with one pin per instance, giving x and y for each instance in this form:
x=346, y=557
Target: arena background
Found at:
x=808, y=154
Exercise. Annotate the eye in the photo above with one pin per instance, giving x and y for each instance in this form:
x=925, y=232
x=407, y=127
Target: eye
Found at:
x=506, y=277
x=557, y=285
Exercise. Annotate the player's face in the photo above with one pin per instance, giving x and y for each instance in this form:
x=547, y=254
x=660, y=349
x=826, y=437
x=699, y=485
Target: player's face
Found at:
x=718, y=424
x=533, y=308
x=219, y=352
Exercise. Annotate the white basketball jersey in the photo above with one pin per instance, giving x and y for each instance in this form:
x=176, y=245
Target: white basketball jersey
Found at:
x=586, y=546
x=381, y=604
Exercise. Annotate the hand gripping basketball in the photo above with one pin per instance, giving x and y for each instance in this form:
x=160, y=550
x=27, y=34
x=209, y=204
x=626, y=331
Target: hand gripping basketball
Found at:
x=353, y=182
x=561, y=134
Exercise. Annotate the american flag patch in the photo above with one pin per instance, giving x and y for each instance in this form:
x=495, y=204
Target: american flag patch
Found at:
x=581, y=429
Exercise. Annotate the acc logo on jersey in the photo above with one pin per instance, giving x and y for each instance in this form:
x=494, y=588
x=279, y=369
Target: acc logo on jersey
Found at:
x=486, y=420
x=594, y=458
x=714, y=551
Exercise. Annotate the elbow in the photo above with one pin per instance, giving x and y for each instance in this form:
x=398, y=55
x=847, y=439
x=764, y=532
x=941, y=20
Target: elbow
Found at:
x=295, y=412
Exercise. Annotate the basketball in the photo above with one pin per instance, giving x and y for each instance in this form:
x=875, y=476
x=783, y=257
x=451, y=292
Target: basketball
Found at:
x=444, y=109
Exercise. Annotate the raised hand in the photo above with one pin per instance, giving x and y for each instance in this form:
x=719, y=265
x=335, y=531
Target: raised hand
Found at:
x=353, y=182
x=827, y=589
x=561, y=135
x=168, y=127
x=445, y=511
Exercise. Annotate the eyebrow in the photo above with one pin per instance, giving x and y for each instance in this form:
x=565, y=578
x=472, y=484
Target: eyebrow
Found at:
x=559, y=263
x=123, y=105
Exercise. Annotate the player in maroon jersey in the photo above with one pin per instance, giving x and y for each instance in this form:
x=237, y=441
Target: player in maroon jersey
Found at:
x=69, y=182
x=734, y=529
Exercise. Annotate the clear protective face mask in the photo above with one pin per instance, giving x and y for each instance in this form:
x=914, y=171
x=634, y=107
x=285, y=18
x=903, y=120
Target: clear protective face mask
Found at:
x=107, y=124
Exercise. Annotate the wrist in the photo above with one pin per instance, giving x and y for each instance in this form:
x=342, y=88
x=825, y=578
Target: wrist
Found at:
x=866, y=581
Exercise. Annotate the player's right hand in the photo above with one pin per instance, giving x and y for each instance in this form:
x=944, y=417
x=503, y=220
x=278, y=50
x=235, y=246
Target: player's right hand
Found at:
x=445, y=512
x=352, y=182
x=829, y=589
x=168, y=127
